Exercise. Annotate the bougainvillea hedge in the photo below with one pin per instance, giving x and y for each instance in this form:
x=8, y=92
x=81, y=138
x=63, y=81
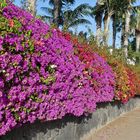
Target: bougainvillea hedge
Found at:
x=126, y=81
x=125, y=87
x=99, y=73
x=127, y=77
x=136, y=71
x=41, y=78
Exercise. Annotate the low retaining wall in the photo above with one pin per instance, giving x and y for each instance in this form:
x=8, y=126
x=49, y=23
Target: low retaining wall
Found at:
x=73, y=128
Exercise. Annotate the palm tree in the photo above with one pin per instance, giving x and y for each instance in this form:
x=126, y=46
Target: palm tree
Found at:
x=129, y=8
x=57, y=9
x=126, y=32
x=113, y=9
x=117, y=19
x=108, y=8
x=109, y=11
x=97, y=12
x=116, y=27
x=135, y=24
x=70, y=18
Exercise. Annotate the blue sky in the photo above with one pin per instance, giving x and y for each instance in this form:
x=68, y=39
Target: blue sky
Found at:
x=40, y=4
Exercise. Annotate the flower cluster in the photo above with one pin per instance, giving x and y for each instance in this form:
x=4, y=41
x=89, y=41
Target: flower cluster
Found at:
x=40, y=77
x=125, y=87
x=126, y=82
x=136, y=77
x=98, y=72
x=126, y=79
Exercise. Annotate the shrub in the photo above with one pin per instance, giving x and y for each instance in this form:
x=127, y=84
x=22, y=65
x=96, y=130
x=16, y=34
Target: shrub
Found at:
x=98, y=72
x=125, y=86
x=125, y=78
x=40, y=77
x=136, y=77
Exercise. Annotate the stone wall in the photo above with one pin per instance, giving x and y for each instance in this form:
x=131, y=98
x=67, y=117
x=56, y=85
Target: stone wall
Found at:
x=73, y=128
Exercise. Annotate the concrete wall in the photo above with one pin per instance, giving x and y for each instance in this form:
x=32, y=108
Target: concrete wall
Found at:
x=70, y=127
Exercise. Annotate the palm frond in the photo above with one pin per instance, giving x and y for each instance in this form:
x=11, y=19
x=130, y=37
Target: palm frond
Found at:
x=79, y=22
x=83, y=9
x=47, y=10
x=97, y=10
x=67, y=11
x=51, y=2
x=64, y=2
x=68, y=1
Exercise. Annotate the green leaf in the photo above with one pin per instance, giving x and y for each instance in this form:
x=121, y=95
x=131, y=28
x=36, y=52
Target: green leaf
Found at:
x=49, y=80
x=3, y=3
x=17, y=117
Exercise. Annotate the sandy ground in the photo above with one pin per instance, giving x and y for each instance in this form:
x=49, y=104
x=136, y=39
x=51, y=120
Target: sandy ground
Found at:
x=127, y=127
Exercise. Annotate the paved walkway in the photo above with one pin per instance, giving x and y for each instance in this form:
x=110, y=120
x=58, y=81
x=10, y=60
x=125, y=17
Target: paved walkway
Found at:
x=127, y=127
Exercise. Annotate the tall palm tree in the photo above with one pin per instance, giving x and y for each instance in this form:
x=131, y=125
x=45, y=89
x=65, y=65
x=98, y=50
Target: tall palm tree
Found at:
x=57, y=9
x=126, y=34
x=128, y=9
x=135, y=33
x=106, y=9
x=113, y=9
x=114, y=30
x=109, y=11
x=117, y=19
x=97, y=12
x=70, y=18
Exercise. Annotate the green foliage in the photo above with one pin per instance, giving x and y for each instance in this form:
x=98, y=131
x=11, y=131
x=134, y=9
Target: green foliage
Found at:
x=50, y=79
x=133, y=55
x=69, y=18
x=6, y=28
x=2, y=4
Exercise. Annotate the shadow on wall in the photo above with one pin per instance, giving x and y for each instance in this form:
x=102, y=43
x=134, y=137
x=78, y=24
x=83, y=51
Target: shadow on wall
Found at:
x=49, y=130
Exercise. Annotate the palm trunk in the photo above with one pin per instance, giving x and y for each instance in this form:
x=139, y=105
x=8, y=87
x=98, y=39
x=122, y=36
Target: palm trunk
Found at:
x=65, y=22
x=122, y=34
x=127, y=29
x=57, y=11
x=98, y=20
x=114, y=31
x=32, y=6
x=126, y=34
x=107, y=19
x=137, y=45
x=137, y=40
